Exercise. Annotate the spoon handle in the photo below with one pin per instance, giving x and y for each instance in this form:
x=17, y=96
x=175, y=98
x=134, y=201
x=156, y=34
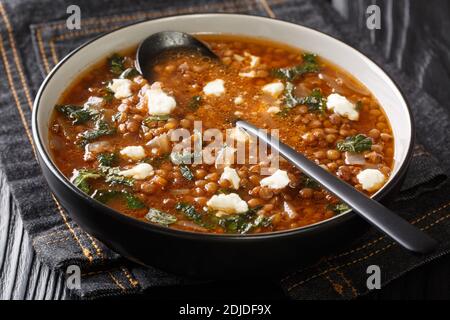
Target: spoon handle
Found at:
x=381, y=217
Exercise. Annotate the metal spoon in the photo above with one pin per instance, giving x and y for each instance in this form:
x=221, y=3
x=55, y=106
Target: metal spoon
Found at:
x=152, y=49
x=381, y=217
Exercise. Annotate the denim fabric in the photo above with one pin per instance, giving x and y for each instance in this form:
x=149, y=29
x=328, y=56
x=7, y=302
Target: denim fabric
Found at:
x=34, y=38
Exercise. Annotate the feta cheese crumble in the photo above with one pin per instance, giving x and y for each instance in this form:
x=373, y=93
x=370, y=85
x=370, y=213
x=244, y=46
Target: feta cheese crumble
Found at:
x=274, y=89
x=254, y=60
x=278, y=180
x=228, y=203
x=341, y=106
x=238, y=100
x=273, y=110
x=121, y=88
x=250, y=74
x=138, y=172
x=158, y=102
x=231, y=175
x=133, y=152
x=371, y=179
x=214, y=88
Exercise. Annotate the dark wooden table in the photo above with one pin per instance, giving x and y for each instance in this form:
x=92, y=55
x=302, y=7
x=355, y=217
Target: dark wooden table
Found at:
x=413, y=35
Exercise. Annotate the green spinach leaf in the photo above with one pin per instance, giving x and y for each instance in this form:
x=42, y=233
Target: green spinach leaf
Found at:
x=102, y=128
x=81, y=179
x=77, y=114
x=190, y=212
x=339, y=208
x=186, y=172
x=162, y=117
x=309, y=65
x=160, y=217
x=358, y=143
x=195, y=102
x=108, y=159
x=116, y=64
x=132, y=202
x=315, y=101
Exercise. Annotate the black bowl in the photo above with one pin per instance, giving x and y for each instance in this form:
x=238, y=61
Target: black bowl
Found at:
x=196, y=254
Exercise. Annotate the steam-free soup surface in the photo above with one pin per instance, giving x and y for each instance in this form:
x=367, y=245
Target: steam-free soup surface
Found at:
x=112, y=133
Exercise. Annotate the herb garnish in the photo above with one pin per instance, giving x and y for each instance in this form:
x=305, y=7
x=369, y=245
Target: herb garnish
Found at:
x=186, y=172
x=358, y=143
x=244, y=222
x=76, y=113
x=309, y=65
x=116, y=64
x=308, y=182
x=315, y=101
x=113, y=177
x=131, y=200
x=339, y=208
x=102, y=128
x=237, y=223
x=290, y=100
x=108, y=94
x=81, y=177
x=156, y=162
x=195, y=102
x=162, y=117
x=190, y=212
x=160, y=217
x=108, y=159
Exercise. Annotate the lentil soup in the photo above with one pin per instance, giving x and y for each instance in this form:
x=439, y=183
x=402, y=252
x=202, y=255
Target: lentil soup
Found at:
x=111, y=134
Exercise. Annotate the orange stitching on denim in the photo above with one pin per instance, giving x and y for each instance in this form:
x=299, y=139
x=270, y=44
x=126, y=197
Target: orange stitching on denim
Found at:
x=87, y=253
x=363, y=258
x=167, y=12
x=340, y=266
x=24, y=121
x=125, y=18
x=14, y=92
x=348, y=282
x=42, y=50
x=382, y=237
x=116, y=281
x=442, y=207
x=436, y=222
x=133, y=281
x=14, y=49
x=53, y=52
x=336, y=286
x=95, y=245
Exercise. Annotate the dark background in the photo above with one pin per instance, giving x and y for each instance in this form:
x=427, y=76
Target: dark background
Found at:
x=414, y=35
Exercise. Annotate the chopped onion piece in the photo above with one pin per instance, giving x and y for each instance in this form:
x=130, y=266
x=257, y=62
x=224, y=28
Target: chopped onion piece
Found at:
x=353, y=158
x=291, y=213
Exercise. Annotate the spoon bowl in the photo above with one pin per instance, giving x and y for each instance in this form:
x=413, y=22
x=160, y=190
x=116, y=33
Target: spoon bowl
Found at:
x=154, y=47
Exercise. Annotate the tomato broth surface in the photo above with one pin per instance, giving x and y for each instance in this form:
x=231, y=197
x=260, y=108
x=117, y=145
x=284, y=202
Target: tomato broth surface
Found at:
x=112, y=134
